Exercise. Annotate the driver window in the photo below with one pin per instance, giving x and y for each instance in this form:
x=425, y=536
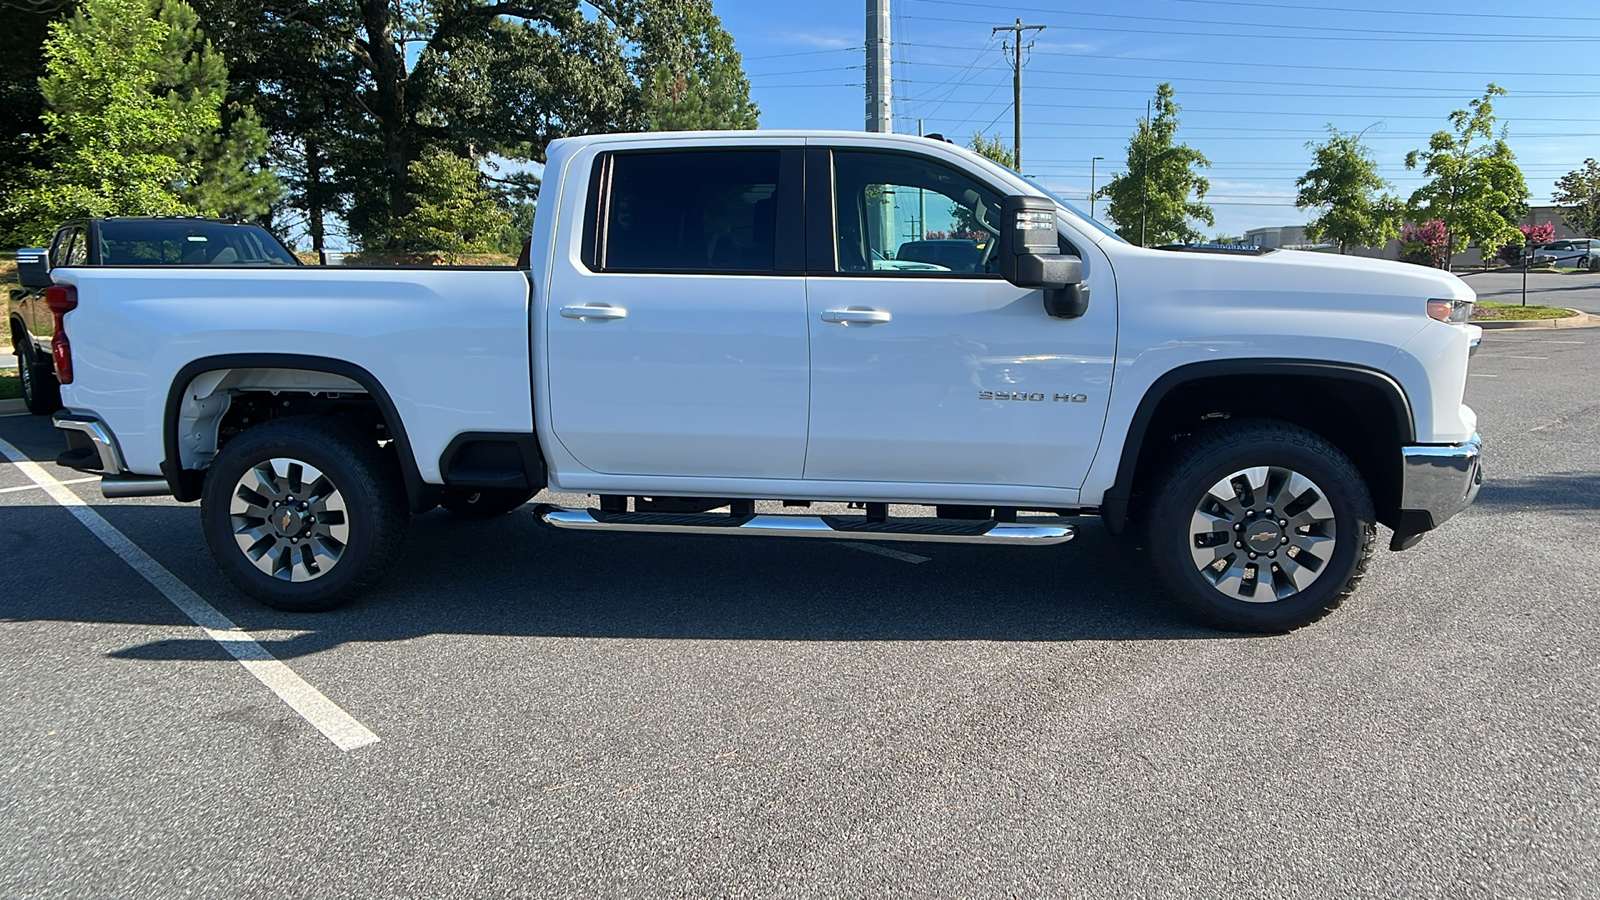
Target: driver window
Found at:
x=898, y=214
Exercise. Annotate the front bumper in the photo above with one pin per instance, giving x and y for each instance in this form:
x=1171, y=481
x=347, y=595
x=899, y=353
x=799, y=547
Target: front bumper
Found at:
x=1436, y=483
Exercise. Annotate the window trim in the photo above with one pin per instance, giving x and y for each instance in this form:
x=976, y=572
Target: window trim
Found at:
x=788, y=246
x=824, y=221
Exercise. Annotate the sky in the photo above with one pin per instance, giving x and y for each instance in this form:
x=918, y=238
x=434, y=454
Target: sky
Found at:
x=1257, y=80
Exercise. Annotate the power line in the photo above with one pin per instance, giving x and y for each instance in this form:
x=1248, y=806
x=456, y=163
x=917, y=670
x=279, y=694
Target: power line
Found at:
x=1278, y=113
x=1381, y=12
x=1212, y=62
x=1017, y=51
x=1544, y=39
x=802, y=53
x=1477, y=36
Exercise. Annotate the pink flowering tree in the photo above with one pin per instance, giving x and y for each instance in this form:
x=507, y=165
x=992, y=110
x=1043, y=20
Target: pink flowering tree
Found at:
x=1427, y=244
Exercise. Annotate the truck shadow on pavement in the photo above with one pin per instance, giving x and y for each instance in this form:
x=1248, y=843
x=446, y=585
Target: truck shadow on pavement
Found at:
x=1556, y=491
x=513, y=576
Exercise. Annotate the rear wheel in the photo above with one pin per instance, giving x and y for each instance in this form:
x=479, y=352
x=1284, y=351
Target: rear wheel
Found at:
x=484, y=503
x=304, y=514
x=1258, y=525
x=41, y=393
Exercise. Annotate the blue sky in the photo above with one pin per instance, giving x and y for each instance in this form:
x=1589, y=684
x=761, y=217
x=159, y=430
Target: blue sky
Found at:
x=1257, y=80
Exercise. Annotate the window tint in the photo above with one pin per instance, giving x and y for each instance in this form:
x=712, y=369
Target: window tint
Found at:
x=62, y=253
x=898, y=214
x=704, y=211
x=180, y=242
x=79, y=254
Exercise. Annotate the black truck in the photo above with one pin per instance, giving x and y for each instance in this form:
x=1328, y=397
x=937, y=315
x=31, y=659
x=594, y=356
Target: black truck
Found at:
x=122, y=241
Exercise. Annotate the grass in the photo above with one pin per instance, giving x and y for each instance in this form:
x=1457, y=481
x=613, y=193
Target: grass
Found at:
x=1487, y=311
x=10, y=385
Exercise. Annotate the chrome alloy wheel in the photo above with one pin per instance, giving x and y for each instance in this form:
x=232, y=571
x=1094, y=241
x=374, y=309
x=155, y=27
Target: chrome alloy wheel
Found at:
x=1262, y=534
x=289, y=519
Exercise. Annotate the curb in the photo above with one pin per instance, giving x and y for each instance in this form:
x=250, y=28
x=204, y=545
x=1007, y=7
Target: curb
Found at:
x=1576, y=320
x=8, y=407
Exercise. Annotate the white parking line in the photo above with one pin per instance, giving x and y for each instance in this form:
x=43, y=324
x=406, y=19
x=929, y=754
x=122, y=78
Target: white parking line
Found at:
x=35, y=487
x=1509, y=356
x=1480, y=375
x=884, y=551
x=337, y=725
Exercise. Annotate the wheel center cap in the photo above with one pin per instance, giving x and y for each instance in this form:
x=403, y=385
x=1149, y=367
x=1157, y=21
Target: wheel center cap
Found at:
x=1262, y=537
x=288, y=522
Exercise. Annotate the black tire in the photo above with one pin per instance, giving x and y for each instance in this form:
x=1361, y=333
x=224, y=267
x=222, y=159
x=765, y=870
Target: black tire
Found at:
x=484, y=503
x=1205, y=461
x=41, y=393
x=368, y=486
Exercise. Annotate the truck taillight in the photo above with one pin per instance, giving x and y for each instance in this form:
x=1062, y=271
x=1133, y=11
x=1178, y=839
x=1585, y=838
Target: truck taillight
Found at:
x=61, y=299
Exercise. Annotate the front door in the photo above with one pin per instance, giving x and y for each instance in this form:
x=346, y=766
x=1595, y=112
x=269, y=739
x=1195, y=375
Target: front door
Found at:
x=927, y=367
x=678, y=343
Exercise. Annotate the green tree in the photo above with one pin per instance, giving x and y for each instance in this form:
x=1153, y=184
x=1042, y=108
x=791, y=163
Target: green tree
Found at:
x=1344, y=183
x=1578, y=195
x=132, y=123
x=228, y=177
x=1150, y=202
x=992, y=148
x=1474, y=185
x=22, y=40
x=451, y=212
x=697, y=83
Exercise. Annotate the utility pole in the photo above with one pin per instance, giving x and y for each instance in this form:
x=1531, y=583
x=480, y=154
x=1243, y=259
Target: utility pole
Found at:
x=880, y=115
x=1016, y=82
x=1091, y=184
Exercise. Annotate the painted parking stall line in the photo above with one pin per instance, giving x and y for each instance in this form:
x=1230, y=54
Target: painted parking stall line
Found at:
x=328, y=717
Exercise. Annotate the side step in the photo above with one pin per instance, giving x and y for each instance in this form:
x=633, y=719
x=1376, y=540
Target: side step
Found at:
x=1035, y=533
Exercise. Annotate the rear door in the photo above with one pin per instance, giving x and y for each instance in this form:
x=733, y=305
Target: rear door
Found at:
x=677, y=340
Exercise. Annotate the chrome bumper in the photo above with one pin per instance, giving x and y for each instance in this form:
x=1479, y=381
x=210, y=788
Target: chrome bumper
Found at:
x=1436, y=483
x=115, y=480
x=100, y=438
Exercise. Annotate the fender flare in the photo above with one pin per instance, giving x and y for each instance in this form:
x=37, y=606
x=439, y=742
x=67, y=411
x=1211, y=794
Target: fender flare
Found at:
x=1114, y=505
x=186, y=483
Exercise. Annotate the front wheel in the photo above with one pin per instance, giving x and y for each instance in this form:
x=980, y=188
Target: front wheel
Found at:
x=1259, y=525
x=304, y=513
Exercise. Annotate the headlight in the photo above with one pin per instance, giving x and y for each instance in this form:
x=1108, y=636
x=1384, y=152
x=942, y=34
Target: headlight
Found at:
x=1456, y=312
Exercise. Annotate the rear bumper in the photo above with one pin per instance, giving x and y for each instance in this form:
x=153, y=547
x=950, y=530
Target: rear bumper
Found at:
x=91, y=447
x=1436, y=483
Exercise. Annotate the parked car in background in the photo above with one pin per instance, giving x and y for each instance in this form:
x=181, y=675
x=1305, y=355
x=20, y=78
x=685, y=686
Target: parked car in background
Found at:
x=1576, y=253
x=117, y=242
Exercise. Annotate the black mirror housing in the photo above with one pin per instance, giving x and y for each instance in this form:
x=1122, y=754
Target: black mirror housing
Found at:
x=33, y=268
x=1030, y=256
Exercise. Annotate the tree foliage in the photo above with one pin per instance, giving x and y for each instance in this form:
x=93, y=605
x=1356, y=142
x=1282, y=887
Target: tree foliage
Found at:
x=1532, y=236
x=1344, y=183
x=356, y=91
x=1427, y=244
x=133, y=123
x=1151, y=202
x=992, y=148
x=1474, y=186
x=1578, y=195
x=451, y=211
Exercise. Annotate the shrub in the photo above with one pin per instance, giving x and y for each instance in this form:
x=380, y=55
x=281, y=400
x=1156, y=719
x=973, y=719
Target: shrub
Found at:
x=1427, y=244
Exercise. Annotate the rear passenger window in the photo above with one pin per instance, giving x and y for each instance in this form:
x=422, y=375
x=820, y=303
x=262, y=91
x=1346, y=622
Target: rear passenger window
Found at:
x=705, y=211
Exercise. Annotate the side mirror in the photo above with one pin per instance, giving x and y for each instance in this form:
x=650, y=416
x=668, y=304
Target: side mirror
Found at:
x=1030, y=256
x=33, y=268
x=332, y=258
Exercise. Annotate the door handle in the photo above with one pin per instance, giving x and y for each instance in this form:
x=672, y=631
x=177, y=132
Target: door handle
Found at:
x=847, y=316
x=589, y=311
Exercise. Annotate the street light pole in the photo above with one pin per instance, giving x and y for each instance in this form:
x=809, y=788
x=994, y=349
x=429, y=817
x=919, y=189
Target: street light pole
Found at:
x=1091, y=184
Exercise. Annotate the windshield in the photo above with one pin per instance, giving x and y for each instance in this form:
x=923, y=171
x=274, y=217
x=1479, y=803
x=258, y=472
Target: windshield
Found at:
x=188, y=242
x=1077, y=212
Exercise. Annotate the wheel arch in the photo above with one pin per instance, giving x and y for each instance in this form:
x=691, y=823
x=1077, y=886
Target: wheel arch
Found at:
x=186, y=484
x=1173, y=405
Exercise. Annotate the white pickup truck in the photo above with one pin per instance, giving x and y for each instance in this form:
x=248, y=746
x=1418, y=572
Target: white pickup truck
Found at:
x=715, y=331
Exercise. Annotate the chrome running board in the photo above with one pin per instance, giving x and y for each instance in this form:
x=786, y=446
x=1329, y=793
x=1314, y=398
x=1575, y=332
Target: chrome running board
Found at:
x=1035, y=532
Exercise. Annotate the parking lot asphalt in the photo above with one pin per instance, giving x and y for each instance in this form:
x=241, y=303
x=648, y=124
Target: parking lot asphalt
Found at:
x=564, y=714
